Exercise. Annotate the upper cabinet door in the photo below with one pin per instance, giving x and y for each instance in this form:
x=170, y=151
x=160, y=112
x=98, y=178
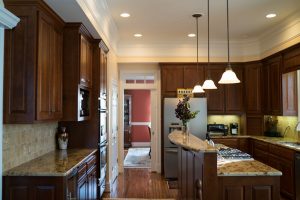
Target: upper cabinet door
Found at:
x=193, y=76
x=172, y=78
x=274, y=67
x=289, y=94
x=45, y=67
x=234, y=94
x=253, y=88
x=215, y=98
x=83, y=61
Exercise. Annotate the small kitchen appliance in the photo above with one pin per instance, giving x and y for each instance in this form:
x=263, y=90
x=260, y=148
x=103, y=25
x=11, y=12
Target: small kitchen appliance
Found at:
x=217, y=129
x=234, y=128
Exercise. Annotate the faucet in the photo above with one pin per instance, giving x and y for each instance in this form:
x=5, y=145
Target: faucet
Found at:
x=286, y=130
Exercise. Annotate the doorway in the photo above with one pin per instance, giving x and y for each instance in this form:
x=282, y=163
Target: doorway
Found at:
x=139, y=83
x=137, y=128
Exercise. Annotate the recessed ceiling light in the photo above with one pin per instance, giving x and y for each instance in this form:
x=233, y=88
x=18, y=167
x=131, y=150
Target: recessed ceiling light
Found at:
x=192, y=35
x=125, y=15
x=138, y=35
x=271, y=15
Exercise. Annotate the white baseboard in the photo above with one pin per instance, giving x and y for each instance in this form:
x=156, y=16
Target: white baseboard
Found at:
x=140, y=144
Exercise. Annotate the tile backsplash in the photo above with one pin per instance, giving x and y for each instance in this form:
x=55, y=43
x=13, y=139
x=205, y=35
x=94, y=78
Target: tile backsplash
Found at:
x=24, y=142
x=225, y=119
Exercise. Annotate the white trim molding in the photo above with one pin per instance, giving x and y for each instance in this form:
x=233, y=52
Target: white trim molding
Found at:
x=140, y=124
x=141, y=144
x=7, y=19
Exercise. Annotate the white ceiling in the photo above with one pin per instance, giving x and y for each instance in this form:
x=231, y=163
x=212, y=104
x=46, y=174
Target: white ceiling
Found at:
x=169, y=21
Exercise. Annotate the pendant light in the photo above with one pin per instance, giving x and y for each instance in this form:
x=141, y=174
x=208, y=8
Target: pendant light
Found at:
x=228, y=77
x=208, y=83
x=197, y=87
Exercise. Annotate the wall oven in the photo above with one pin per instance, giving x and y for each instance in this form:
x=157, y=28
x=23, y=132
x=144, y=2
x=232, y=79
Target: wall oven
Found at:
x=103, y=163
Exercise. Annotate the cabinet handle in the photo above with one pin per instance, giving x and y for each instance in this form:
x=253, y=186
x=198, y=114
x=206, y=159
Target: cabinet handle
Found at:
x=199, y=189
x=82, y=80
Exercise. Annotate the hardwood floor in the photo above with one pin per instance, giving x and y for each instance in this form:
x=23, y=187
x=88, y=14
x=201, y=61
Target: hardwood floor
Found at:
x=141, y=183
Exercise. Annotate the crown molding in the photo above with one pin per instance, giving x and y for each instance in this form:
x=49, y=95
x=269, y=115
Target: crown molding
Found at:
x=7, y=19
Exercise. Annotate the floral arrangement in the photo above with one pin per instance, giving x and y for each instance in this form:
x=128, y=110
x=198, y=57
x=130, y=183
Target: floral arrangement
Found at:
x=183, y=111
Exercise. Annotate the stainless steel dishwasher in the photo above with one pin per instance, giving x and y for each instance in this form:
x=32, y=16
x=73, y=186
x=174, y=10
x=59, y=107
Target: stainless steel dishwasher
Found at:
x=297, y=175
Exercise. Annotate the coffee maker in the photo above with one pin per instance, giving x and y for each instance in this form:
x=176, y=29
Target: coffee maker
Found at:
x=234, y=128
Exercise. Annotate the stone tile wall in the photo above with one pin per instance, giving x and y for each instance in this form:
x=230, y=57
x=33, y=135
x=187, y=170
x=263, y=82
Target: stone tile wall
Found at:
x=24, y=142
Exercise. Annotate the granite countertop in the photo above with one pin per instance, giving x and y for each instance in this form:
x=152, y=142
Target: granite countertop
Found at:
x=273, y=140
x=245, y=168
x=190, y=142
x=55, y=163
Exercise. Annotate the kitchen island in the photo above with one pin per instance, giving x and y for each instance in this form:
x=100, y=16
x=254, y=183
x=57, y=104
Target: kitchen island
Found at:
x=202, y=175
x=57, y=175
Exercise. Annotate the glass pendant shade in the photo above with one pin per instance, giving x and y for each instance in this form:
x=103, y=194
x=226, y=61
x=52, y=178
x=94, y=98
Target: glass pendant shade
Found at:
x=198, y=89
x=209, y=85
x=229, y=77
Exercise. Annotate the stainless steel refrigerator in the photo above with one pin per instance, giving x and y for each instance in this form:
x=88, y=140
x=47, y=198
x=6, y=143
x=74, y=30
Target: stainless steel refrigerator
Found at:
x=197, y=126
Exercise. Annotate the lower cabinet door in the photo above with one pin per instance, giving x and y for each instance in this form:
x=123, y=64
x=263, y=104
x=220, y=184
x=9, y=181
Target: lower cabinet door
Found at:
x=82, y=189
x=92, y=179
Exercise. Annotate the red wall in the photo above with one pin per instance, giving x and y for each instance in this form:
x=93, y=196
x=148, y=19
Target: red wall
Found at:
x=141, y=112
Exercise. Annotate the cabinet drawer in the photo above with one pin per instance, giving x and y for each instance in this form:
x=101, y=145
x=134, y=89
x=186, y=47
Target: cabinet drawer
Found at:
x=91, y=162
x=82, y=171
x=261, y=145
x=282, y=152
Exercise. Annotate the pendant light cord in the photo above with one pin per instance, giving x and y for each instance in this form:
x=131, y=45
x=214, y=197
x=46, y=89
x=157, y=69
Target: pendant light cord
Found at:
x=228, y=34
x=197, y=44
x=208, y=53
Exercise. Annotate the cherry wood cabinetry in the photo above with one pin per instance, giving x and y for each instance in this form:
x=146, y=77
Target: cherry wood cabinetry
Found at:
x=171, y=79
x=289, y=94
x=77, y=66
x=227, y=99
x=33, y=64
x=103, y=69
x=81, y=184
x=280, y=158
x=253, y=76
x=236, y=143
x=234, y=94
x=272, y=88
x=291, y=59
x=216, y=98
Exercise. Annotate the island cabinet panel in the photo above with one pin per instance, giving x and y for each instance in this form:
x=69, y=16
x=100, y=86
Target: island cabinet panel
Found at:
x=253, y=76
x=291, y=59
x=32, y=62
x=247, y=188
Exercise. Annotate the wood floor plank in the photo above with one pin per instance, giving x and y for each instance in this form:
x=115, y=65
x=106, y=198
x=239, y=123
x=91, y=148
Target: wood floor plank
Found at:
x=141, y=184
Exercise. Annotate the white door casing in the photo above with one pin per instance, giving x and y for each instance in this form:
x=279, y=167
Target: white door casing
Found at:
x=114, y=131
x=155, y=114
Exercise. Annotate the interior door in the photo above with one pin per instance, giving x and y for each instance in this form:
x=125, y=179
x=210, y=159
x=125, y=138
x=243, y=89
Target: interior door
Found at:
x=114, y=129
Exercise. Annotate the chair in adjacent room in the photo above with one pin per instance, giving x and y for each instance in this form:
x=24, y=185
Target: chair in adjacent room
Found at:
x=149, y=130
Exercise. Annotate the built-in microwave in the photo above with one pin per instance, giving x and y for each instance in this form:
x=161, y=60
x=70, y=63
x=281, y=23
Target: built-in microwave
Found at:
x=83, y=103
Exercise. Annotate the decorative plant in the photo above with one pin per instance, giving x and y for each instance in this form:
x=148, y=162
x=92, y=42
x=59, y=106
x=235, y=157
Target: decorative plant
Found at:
x=183, y=111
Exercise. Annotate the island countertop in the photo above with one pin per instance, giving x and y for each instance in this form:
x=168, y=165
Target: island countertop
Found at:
x=225, y=167
x=55, y=163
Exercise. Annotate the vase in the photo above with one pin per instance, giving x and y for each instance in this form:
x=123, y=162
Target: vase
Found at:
x=63, y=139
x=185, y=129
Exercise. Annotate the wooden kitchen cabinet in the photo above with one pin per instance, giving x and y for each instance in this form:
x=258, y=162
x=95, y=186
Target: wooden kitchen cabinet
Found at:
x=234, y=94
x=192, y=75
x=216, y=98
x=253, y=76
x=171, y=79
x=289, y=94
x=103, y=69
x=77, y=66
x=272, y=92
x=291, y=59
x=33, y=64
